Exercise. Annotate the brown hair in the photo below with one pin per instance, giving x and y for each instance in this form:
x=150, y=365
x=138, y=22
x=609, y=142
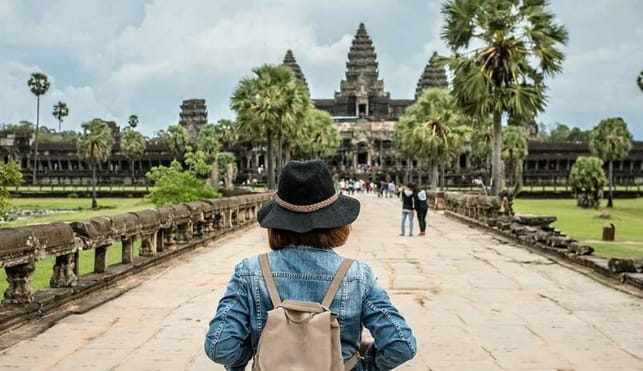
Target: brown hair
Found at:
x=326, y=238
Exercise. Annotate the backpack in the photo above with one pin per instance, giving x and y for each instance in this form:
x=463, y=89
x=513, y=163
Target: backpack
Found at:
x=300, y=335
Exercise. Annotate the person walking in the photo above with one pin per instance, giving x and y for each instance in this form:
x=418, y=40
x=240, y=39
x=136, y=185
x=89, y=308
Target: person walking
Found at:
x=408, y=208
x=421, y=208
x=272, y=299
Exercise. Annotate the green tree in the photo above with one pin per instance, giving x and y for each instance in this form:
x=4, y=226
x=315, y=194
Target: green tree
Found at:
x=481, y=143
x=587, y=179
x=514, y=152
x=432, y=129
x=10, y=175
x=208, y=141
x=578, y=135
x=95, y=147
x=226, y=133
x=60, y=111
x=227, y=165
x=132, y=121
x=560, y=133
x=639, y=80
x=269, y=106
x=519, y=46
x=173, y=185
x=198, y=163
x=176, y=140
x=133, y=147
x=38, y=84
x=319, y=138
x=610, y=141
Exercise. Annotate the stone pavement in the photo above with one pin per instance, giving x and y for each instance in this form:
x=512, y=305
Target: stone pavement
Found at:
x=474, y=302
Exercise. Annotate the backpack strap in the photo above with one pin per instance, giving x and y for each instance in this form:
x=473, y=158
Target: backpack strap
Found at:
x=270, y=282
x=352, y=362
x=337, y=281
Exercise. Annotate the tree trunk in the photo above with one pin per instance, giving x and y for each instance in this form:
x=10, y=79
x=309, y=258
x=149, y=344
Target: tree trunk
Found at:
x=133, y=172
x=434, y=169
x=280, y=149
x=35, y=155
x=610, y=202
x=518, y=171
x=94, y=202
x=270, y=171
x=496, y=171
x=60, y=124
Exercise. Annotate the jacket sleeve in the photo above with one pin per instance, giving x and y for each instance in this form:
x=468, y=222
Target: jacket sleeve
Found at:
x=394, y=342
x=228, y=339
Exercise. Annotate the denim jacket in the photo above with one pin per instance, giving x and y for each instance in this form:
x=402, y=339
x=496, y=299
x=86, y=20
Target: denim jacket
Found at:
x=304, y=273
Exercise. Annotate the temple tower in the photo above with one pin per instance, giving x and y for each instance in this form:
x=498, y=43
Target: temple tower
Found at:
x=362, y=92
x=289, y=60
x=194, y=116
x=434, y=76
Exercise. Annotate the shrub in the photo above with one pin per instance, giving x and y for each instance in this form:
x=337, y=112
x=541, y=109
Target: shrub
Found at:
x=174, y=185
x=587, y=180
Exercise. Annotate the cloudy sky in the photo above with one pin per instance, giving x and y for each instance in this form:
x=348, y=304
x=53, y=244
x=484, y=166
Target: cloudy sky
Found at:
x=110, y=59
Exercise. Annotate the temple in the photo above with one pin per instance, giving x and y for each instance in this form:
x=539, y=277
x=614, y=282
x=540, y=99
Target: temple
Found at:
x=365, y=115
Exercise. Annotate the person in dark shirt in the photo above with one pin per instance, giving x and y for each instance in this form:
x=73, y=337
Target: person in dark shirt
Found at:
x=421, y=208
x=408, y=208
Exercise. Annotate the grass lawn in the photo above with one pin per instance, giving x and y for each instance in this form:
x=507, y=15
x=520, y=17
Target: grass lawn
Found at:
x=81, y=206
x=585, y=225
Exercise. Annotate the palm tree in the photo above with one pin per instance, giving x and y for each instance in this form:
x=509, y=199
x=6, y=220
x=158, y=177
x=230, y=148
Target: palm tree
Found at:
x=514, y=152
x=505, y=76
x=60, y=111
x=208, y=142
x=39, y=84
x=133, y=147
x=95, y=147
x=432, y=129
x=610, y=141
x=132, y=121
x=320, y=137
x=226, y=133
x=176, y=139
x=639, y=80
x=268, y=106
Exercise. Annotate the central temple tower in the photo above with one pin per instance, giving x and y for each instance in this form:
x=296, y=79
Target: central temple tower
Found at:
x=361, y=95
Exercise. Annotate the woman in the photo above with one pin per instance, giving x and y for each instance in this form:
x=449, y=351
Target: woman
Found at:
x=305, y=221
x=408, y=208
x=421, y=207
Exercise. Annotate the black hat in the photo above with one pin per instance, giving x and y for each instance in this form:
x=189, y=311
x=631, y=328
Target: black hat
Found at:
x=306, y=200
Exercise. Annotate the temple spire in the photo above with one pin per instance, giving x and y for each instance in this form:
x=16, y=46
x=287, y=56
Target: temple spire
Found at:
x=289, y=60
x=362, y=72
x=434, y=76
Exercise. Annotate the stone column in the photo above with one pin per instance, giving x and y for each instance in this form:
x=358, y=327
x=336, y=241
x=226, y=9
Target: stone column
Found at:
x=100, y=259
x=19, y=278
x=64, y=271
x=127, y=250
x=148, y=245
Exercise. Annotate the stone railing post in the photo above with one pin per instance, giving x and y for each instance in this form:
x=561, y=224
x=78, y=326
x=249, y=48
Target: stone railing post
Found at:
x=127, y=251
x=100, y=258
x=148, y=245
x=65, y=271
x=19, y=278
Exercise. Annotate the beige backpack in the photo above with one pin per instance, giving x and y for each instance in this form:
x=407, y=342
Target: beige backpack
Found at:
x=300, y=335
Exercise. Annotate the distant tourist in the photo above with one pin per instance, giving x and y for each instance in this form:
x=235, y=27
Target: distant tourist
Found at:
x=408, y=208
x=391, y=189
x=421, y=208
x=272, y=299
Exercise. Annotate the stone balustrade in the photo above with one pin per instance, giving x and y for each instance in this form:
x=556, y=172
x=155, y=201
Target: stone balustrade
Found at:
x=535, y=232
x=163, y=232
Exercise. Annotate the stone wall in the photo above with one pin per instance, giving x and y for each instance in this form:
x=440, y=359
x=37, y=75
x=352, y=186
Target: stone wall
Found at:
x=163, y=233
x=535, y=232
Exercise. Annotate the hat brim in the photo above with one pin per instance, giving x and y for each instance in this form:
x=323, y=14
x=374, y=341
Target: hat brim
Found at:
x=343, y=211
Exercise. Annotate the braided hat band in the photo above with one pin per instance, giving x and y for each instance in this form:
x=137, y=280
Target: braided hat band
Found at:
x=305, y=208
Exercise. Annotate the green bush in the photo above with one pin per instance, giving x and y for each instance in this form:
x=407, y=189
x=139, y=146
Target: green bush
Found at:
x=174, y=185
x=72, y=195
x=587, y=180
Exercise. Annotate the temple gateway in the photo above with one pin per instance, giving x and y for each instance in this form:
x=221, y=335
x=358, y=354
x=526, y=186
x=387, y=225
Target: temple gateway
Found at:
x=365, y=115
